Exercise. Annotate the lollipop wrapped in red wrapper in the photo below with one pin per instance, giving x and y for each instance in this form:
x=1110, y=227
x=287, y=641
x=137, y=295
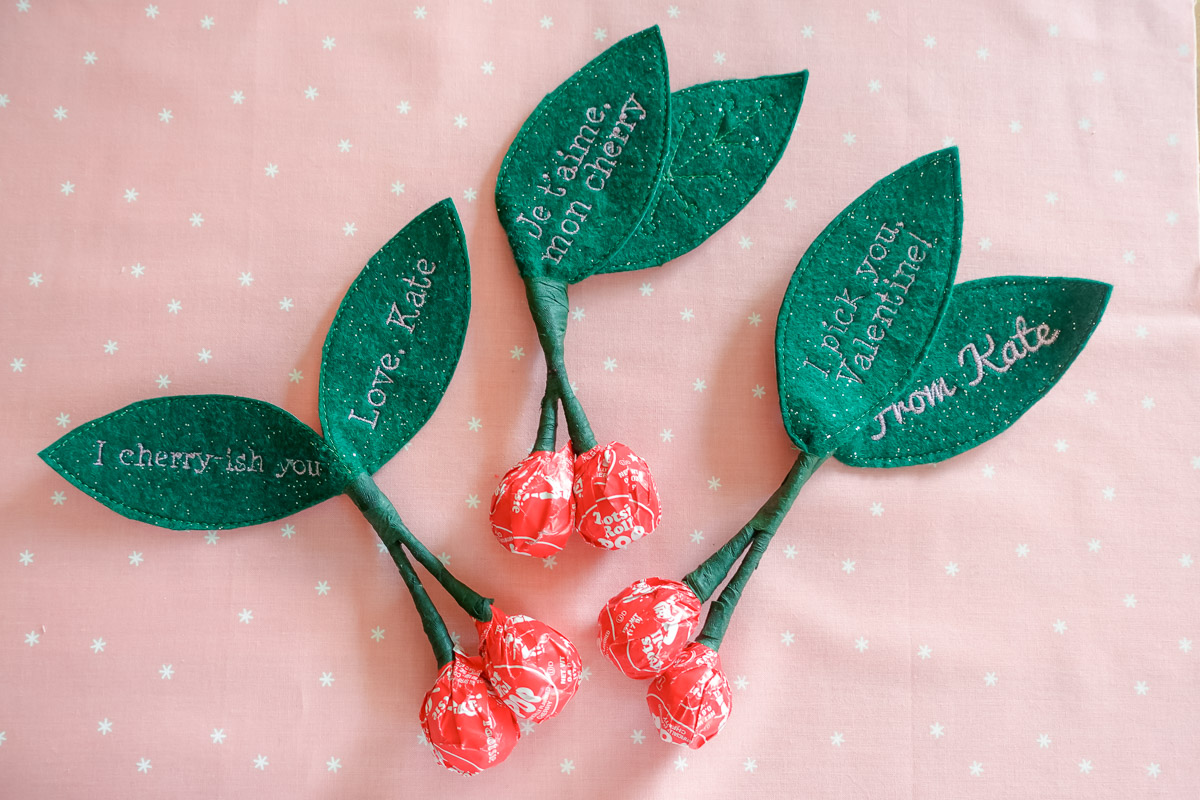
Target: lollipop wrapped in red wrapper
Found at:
x=532, y=510
x=645, y=627
x=616, y=502
x=690, y=700
x=532, y=668
x=467, y=726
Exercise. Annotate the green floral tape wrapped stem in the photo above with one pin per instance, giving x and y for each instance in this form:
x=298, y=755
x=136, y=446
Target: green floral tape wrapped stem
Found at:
x=386, y=521
x=548, y=425
x=548, y=305
x=431, y=620
x=756, y=535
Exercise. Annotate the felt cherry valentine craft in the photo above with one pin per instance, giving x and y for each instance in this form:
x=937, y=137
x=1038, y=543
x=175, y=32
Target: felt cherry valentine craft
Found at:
x=220, y=461
x=882, y=362
x=613, y=172
x=532, y=510
x=531, y=667
x=644, y=628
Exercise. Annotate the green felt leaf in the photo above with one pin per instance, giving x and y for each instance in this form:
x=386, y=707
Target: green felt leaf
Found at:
x=727, y=137
x=1001, y=346
x=864, y=303
x=583, y=169
x=396, y=339
x=199, y=461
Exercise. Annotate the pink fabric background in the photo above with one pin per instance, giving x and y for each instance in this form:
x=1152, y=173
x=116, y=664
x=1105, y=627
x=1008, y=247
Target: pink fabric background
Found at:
x=1078, y=133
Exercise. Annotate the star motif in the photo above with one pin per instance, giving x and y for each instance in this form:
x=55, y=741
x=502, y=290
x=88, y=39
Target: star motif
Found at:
x=1052, y=198
x=1141, y=688
x=1043, y=740
x=17, y=364
x=1060, y=626
x=861, y=644
x=1172, y=217
x=1130, y=601
x=344, y=145
x=261, y=762
x=1118, y=176
x=1052, y=30
x=988, y=471
x=137, y=270
x=873, y=16
x=577, y=314
x=745, y=242
x=789, y=204
x=211, y=537
x=349, y=229
x=1061, y=445
x=151, y=12
x=488, y=67
x=326, y=679
x=397, y=188
x=35, y=280
x=403, y=107
x=475, y=424
x=924, y=652
x=947, y=141
x=714, y=483
x=271, y=170
x=328, y=43
x=1153, y=770
x=445, y=559
x=287, y=531
x=110, y=347
x=143, y=765
x=419, y=12
x=786, y=638
x=873, y=86
x=60, y=113
x=66, y=188
x=517, y=353
x=1185, y=645
x=687, y=315
x=546, y=23
x=1014, y=126
x=1085, y=124
x=718, y=57
x=673, y=12
x=982, y=54
x=245, y=616
x=930, y=42
x=285, y=304
x=377, y=634
x=1085, y=766
x=333, y=764
x=610, y=364
x=473, y=501
x=585, y=674
x=460, y=121
x=1147, y=403
x=667, y=435
x=750, y=765
x=849, y=138
x=1094, y=546
x=97, y=645
x=790, y=551
x=990, y=679
x=218, y=735
x=174, y=306
x=936, y=730
x=759, y=391
x=469, y=195
x=806, y=32
x=196, y=219
x=26, y=558
x=1022, y=550
x=680, y=764
x=699, y=385
x=837, y=739
x=697, y=536
x=1098, y=76
x=1109, y=493
x=848, y=566
x=63, y=420
x=1128, y=256
x=549, y=562
x=311, y=93
x=131, y=195
x=600, y=34
x=166, y=672
x=876, y=509
x=1185, y=560
x=976, y=769
x=165, y=115
x=207, y=23
x=22, y=5
x=646, y=290
x=104, y=727
x=32, y=638
x=567, y=766
x=58, y=498
x=163, y=381
x=245, y=279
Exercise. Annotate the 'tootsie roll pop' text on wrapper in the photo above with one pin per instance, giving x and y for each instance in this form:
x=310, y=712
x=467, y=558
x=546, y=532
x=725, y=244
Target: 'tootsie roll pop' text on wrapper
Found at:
x=218, y=461
x=882, y=362
x=601, y=178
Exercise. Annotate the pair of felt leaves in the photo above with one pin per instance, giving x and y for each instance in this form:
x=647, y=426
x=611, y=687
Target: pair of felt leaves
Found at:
x=883, y=362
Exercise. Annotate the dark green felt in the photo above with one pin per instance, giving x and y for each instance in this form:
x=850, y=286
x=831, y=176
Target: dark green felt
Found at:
x=569, y=236
x=727, y=137
x=211, y=492
x=390, y=318
x=937, y=424
x=823, y=395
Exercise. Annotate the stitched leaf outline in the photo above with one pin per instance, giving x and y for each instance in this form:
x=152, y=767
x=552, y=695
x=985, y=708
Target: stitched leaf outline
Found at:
x=582, y=171
x=727, y=137
x=1002, y=345
x=864, y=303
x=396, y=339
x=207, y=461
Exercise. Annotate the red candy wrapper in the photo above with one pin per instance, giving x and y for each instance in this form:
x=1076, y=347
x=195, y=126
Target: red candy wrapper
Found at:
x=645, y=627
x=691, y=700
x=532, y=668
x=616, y=502
x=532, y=510
x=468, y=727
